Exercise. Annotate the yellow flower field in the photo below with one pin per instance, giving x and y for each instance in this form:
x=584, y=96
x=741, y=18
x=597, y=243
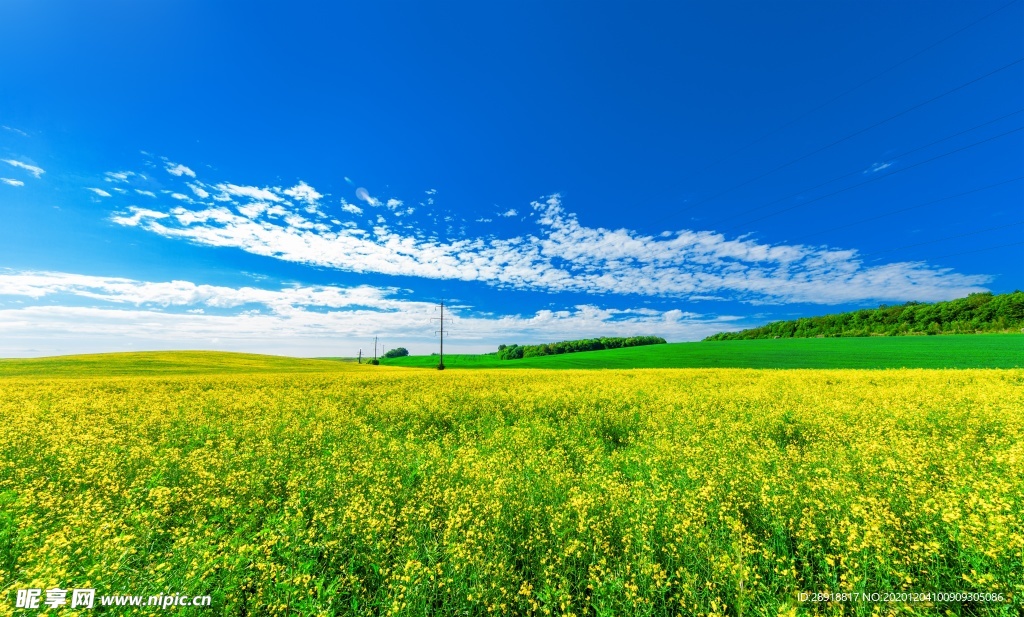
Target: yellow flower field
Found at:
x=406, y=492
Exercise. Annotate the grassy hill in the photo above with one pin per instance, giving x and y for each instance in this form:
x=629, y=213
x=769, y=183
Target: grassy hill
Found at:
x=162, y=363
x=981, y=312
x=982, y=351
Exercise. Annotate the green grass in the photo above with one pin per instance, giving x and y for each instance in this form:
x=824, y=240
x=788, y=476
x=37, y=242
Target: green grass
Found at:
x=163, y=363
x=951, y=351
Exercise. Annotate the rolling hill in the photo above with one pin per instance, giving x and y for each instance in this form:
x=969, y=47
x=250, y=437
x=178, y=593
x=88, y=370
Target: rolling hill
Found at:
x=162, y=363
x=962, y=351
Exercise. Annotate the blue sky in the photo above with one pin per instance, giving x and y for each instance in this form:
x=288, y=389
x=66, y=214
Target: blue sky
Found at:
x=297, y=178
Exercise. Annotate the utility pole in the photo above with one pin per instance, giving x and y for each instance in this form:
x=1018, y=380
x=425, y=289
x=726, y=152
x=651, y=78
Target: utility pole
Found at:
x=440, y=331
x=360, y=356
x=375, y=349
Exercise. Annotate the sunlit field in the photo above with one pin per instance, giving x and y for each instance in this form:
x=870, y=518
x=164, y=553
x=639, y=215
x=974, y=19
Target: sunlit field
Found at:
x=947, y=351
x=376, y=490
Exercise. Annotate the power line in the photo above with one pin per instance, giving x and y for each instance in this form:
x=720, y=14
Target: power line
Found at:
x=857, y=87
x=987, y=248
x=963, y=235
x=859, y=132
x=894, y=157
x=876, y=179
x=834, y=143
x=908, y=208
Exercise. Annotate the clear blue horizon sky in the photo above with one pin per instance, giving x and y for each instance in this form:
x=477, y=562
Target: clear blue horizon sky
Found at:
x=297, y=178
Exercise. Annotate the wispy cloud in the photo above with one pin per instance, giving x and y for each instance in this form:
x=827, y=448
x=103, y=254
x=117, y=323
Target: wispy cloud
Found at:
x=364, y=195
x=301, y=320
x=12, y=181
x=179, y=170
x=227, y=191
x=37, y=172
x=140, y=214
x=304, y=193
x=876, y=167
x=14, y=130
x=118, y=176
x=509, y=213
x=561, y=255
x=146, y=193
x=199, y=191
x=567, y=256
x=99, y=192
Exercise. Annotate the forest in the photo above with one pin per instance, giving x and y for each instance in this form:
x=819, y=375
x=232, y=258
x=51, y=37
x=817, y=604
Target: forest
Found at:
x=979, y=312
x=514, y=352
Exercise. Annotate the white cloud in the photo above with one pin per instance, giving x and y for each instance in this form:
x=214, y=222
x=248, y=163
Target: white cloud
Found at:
x=179, y=170
x=364, y=195
x=118, y=176
x=252, y=192
x=509, y=213
x=567, y=256
x=431, y=191
x=304, y=192
x=253, y=210
x=181, y=197
x=12, y=181
x=300, y=320
x=36, y=172
x=138, y=215
x=146, y=193
x=14, y=130
x=560, y=255
x=99, y=192
x=200, y=192
x=878, y=167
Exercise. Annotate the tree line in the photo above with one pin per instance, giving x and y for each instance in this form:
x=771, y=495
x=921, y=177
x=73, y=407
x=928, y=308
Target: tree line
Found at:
x=515, y=352
x=979, y=312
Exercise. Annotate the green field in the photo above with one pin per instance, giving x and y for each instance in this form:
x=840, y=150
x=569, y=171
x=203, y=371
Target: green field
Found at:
x=963, y=351
x=161, y=363
x=952, y=351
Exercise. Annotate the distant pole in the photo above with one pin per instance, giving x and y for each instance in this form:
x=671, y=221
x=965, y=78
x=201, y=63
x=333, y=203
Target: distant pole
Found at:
x=440, y=331
x=375, y=348
x=360, y=356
